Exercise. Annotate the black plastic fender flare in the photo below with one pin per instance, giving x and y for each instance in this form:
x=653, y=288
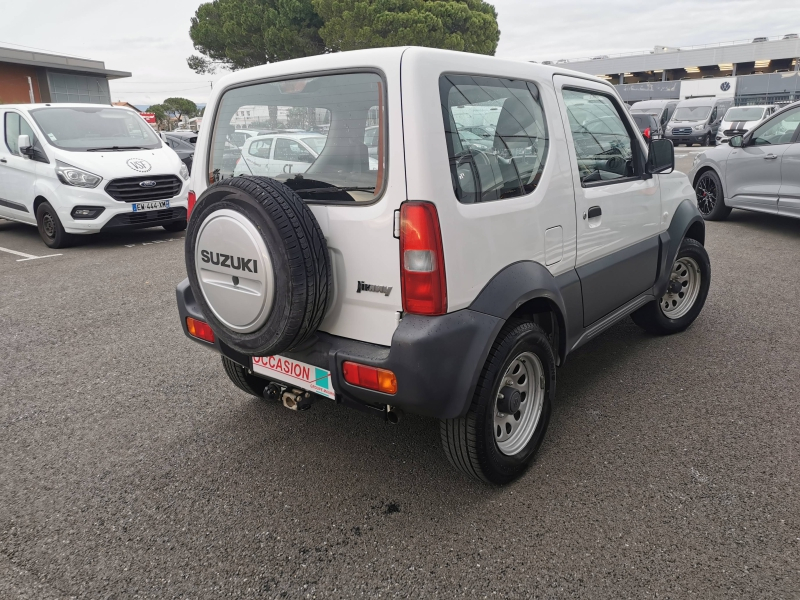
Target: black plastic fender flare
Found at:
x=686, y=222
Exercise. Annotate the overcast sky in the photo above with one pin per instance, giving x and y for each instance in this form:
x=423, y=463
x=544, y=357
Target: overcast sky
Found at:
x=150, y=38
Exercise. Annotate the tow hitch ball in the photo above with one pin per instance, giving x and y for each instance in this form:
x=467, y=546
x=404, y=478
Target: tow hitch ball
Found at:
x=293, y=399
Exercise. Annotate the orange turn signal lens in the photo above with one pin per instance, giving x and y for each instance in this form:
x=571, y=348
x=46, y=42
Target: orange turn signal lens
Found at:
x=370, y=378
x=199, y=330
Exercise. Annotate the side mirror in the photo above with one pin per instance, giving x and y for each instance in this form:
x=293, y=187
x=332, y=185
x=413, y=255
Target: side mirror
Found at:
x=24, y=145
x=661, y=157
x=736, y=141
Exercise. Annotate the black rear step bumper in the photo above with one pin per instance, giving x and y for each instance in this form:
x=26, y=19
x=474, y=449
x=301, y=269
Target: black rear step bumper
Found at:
x=437, y=360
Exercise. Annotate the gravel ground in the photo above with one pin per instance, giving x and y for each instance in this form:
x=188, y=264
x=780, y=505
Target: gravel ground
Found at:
x=132, y=468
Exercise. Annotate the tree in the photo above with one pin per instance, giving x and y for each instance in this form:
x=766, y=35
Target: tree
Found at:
x=180, y=107
x=463, y=25
x=237, y=34
x=245, y=33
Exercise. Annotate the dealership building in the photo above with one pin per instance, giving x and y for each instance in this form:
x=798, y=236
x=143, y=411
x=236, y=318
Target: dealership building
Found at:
x=30, y=76
x=752, y=72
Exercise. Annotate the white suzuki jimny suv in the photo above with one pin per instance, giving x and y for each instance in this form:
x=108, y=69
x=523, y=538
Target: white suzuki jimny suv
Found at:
x=466, y=223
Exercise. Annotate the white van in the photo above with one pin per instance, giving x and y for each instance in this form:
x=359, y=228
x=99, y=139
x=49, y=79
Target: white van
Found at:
x=738, y=120
x=73, y=169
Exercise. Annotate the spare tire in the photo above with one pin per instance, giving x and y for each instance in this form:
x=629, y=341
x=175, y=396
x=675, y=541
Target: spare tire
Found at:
x=258, y=265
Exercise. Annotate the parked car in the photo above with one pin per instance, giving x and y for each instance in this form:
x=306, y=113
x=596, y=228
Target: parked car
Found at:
x=696, y=121
x=758, y=171
x=738, y=120
x=56, y=156
x=648, y=126
x=187, y=136
x=283, y=153
x=662, y=110
x=450, y=281
x=182, y=148
x=790, y=36
x=759, y=40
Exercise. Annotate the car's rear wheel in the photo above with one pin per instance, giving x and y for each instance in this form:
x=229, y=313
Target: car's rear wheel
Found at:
x=689, y=281
x=50, y=228
x=258, y=265
x=243, y=378
x=710, y=197
x=506, y=422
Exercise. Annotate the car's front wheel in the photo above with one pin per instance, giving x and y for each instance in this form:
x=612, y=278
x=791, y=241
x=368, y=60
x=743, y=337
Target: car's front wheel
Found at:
x=689, y=280
x=506, y=422
x=710, y=198
x=50, y=228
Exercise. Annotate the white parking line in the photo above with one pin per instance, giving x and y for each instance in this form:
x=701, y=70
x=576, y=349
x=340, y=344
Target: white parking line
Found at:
x=27, y=256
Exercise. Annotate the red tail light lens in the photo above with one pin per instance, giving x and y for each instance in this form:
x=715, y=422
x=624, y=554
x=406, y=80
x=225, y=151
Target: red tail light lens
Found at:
x=646, y=133
x=192, y=202
x=422, y=273
x=199, y=330
x=371, y=378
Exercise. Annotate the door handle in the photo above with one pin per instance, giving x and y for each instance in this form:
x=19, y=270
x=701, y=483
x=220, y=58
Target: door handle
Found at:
x=594, y=212
x=3, y=160
x=770, y=157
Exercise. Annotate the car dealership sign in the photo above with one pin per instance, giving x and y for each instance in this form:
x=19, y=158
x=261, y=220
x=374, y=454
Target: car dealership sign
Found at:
x=149, y=117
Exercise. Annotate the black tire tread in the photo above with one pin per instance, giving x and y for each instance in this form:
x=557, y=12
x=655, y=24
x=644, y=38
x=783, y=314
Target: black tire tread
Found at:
x=241, y=379
x=462, y=443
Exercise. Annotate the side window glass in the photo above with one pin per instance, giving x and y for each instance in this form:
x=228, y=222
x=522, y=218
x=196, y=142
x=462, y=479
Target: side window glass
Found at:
x=260, y=148
x=496, y=136
x=12, y=132
x=292, y=151
x=780, y=130
x=603, y=145
x=713, y=116
x=664, y=118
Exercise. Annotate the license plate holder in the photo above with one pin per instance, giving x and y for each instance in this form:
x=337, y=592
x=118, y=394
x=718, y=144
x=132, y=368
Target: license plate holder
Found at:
x=295, y=373
x=151, y=205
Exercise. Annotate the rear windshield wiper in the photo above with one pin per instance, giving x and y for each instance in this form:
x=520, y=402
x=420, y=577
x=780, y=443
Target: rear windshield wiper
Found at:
x=333, y=188
x=115, y=148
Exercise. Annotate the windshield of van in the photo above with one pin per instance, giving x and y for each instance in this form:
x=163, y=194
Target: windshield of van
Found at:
x=328, y=131
x=93, y=129
x=691, y=113
x=744, y=113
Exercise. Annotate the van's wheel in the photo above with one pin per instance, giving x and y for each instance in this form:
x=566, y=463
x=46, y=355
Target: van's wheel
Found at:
x=510, y=410
x=50, y=228
x=258, y=265
x=689, y=280
x=242, y=379
x=710, y=198
x=175, y=226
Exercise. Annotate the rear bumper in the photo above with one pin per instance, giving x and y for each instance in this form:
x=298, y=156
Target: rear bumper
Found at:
x=437, y=360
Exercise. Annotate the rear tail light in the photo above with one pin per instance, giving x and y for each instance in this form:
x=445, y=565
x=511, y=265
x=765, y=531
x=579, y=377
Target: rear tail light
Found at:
x=199, y=330
x=646, y=133
x=192, y=202
x=370, y=378
x=422, y=275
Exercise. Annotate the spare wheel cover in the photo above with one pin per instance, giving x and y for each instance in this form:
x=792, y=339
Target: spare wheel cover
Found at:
x=234, y=270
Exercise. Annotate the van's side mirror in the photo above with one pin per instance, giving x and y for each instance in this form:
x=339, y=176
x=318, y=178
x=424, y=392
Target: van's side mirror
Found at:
x=736, y=141
x=25, y=146
x=661, y=157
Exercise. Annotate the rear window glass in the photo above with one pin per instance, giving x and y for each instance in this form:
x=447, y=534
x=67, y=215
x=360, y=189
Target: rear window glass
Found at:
x=328, y=133
x=496, y=136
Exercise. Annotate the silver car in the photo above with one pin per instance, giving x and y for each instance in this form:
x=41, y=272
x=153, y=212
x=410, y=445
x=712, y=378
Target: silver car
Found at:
x=759, y=171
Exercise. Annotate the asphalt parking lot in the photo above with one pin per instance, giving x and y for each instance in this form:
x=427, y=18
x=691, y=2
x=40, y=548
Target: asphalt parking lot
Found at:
x=132, y=468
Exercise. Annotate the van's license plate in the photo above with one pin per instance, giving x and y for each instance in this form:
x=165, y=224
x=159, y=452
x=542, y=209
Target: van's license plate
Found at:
x=292, y=372
x=154, y=205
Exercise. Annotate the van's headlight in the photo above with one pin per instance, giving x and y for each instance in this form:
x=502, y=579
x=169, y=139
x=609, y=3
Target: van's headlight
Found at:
x=184, y=172
x=699, y=127
x=69, y=175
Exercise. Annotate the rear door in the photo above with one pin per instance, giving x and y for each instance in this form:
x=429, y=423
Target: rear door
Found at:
x=290, y=157
x=618, y=210
x=17, y=172
x=753, y=173
x=789, y=202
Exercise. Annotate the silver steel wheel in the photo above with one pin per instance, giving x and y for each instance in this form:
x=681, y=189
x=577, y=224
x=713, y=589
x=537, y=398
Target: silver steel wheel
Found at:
x=707, y=194
x=513, y=431
x=683, y=288
x=49, y=225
